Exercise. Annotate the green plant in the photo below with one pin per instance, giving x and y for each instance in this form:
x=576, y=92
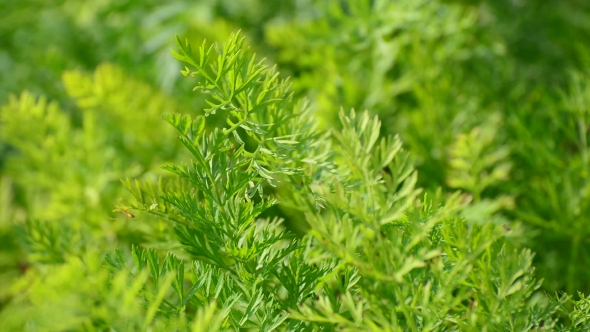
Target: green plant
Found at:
x=378, y=256
x=60, y=179
x=482, y=95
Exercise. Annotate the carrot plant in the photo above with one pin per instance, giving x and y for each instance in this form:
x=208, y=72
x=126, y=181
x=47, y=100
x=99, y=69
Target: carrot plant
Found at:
x=201, y=236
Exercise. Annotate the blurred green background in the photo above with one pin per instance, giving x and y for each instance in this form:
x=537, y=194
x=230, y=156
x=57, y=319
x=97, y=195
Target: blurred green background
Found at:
x=491, y=97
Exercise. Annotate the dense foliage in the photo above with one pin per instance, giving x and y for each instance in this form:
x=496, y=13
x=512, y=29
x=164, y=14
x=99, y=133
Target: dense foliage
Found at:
x=414, y=166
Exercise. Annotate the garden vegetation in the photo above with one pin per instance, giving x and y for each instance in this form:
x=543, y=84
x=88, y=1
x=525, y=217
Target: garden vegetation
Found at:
x=305, y=166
